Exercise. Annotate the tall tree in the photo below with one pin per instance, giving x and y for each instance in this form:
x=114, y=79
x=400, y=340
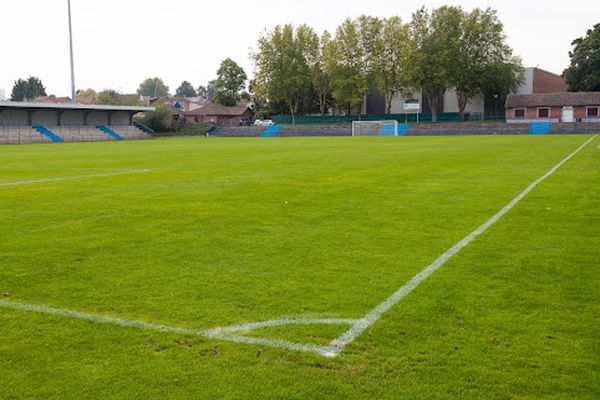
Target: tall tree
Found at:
x=283, y=65
x=185, y=90
x=391, y=59
x=482, y=52
x=231, y=80
x=436, y=45
x=27, y=90
x=208, y=91
x=347, y=66
x=583, y=75
x=153, y=87
x=320, y=80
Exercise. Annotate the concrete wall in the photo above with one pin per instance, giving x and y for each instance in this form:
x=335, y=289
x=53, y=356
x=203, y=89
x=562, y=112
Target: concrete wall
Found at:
x=476, y=105
x=398, y=103
x=119, y=119
x=71, y=118
x=97, y=118
x=14, y=117
x=49, y=118
x=527, y=87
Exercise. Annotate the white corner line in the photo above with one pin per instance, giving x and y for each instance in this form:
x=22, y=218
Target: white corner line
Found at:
x=225, y=334
x=67, y=178
x=339, y=344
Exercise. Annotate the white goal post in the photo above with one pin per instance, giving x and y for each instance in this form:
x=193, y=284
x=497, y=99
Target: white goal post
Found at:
x=375, y=128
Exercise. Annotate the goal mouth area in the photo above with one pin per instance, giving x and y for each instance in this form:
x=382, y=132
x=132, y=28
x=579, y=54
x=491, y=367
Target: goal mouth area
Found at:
x=375, y=128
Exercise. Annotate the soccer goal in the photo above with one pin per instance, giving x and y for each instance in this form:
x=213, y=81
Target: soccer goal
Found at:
x=375, y=128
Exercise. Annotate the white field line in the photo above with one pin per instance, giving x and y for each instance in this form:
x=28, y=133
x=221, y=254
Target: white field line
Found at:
x=361, y=325
x=67, y=178
x=225, y=334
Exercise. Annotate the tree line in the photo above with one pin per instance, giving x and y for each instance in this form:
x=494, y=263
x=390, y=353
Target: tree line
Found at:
x=445, y=48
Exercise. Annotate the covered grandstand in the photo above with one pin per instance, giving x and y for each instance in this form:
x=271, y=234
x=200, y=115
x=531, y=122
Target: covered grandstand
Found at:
x=52, y=122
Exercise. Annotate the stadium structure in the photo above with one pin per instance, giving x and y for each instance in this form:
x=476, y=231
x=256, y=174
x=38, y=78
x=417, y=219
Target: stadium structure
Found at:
x=52, y=122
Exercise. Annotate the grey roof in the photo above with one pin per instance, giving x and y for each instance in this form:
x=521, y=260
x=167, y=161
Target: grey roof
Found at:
x=70, y=106
x=574, y=99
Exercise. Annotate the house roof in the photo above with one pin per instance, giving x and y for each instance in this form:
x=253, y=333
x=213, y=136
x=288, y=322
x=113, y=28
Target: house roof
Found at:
x=574, y=99
x=219, y=110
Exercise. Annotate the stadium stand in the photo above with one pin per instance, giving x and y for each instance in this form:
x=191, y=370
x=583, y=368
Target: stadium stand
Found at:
x=51, y=122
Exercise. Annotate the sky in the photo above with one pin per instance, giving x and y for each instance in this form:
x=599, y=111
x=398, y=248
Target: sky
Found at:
x=119, y=43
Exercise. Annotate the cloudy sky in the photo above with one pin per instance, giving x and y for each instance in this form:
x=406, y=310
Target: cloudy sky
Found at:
x=118, y=43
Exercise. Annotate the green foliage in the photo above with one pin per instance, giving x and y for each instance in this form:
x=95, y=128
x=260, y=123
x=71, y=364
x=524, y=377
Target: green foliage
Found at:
x=109, y=96
x=87, y=92
x=231, y=80
x=285, y=64
x=27, y=90
x=347, y=66
x=436, y=44
x=208, y=91
x=321, y=82
x=185, y=90
x=153, y=87
x=391, y=59
x=583, y=75
x=484, y=60
x=159, y=120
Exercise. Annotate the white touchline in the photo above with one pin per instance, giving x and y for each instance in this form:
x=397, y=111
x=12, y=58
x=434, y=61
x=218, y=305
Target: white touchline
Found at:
x=357, y=329
x=67, y=178
x=358, y=326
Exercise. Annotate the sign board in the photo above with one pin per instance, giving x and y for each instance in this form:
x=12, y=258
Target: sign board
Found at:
x=412, y=105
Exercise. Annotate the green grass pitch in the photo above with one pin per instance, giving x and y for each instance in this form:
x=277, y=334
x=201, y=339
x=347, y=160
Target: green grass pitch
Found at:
x=219, y=232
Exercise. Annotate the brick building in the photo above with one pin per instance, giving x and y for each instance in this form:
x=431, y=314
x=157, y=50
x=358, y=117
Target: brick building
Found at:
x=553, y=107
x=538, y=80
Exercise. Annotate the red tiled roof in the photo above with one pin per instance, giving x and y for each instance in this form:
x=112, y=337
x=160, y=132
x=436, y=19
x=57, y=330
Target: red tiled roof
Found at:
x=574, y=99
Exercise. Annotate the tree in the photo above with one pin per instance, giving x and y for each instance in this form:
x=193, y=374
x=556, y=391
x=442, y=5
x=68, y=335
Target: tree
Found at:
x=500, y=79
x=583, y=75
x=436, y=46
x=347, y=66
x=283, y=65
x=109, y=97
x=153, y=87
x=185, y=90
x=320, y=80
x=158, y=120
x=483, y=52
x=87, y=92
x=208, y=91
x=391, y=59
x=231, y=79
x=27, y=90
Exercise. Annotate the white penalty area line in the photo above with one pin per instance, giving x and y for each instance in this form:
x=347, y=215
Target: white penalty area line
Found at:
x=68, y=178
x=236, y=333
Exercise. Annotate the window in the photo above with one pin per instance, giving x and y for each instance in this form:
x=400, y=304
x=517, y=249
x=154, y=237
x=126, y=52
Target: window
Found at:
x=543, y=112
x=519, y=113
x=593, y=112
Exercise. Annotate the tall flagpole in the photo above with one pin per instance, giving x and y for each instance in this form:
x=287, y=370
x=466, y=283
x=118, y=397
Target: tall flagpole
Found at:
x=73, y=94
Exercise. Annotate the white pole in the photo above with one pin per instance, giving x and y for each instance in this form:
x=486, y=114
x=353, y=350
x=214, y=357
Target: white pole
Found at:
x=73, y=94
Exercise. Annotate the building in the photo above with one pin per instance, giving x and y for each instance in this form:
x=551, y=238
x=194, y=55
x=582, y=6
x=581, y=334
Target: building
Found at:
x=553, y=107
x=538, y=80
x=220, y=115
x=66, y=114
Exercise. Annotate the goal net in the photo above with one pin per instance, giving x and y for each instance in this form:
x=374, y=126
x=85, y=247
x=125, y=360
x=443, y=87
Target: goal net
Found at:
x=375, y=128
